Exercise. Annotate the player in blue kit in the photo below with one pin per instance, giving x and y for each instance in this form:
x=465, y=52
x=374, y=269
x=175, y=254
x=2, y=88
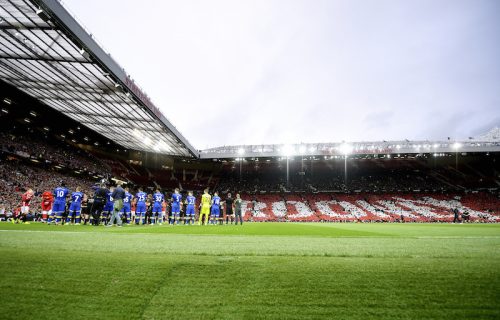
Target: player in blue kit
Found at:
x=176, y=206
x=140, y=209
x=75, y=208
x=215, y=210
x=108, y=207
x=60, y=195
x=156, y=212
x=190, y=203
x=126, y=210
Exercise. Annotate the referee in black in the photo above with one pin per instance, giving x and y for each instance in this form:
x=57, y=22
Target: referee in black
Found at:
x=229, y=209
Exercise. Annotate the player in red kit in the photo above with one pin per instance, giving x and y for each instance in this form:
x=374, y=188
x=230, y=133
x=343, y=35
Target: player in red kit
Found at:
x=25, y=204
x=47, y=200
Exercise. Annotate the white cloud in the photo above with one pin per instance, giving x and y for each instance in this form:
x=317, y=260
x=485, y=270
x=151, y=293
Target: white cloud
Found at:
x=242, y=72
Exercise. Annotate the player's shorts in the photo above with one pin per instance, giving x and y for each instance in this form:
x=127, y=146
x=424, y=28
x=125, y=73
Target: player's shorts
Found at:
x=46, y=207
x=126, y=208
x=176, y=208
x=58, y=207
x=190, y=211
x=215, y=212
x=108, y=207
x=205, y=210
x=229, y=212
x=25, y=209
x=75, y=207
x=141, y=208
x=157, y=208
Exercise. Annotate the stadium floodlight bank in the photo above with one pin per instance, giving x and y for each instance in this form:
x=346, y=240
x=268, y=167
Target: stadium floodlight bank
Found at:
x=346, y=149
x=47, y=54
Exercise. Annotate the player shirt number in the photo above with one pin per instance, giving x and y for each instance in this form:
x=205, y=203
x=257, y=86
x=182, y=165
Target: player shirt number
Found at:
x=158, y=198
x=76, y=198
x=141, y=198
x=60, y=193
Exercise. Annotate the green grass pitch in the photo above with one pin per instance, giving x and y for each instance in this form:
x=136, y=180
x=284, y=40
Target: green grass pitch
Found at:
x=254, y=271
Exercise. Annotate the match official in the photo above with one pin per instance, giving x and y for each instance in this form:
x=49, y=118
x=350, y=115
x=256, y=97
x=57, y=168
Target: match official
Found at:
x=237, y=210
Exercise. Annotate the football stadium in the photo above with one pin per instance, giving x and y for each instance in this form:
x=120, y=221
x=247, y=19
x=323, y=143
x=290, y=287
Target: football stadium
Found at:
x=108, y=211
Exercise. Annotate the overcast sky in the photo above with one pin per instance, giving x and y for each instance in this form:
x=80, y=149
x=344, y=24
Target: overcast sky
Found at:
x=284, y=71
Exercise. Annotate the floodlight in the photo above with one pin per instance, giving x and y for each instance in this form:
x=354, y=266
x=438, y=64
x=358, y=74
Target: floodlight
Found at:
x=457, y=145
x=312, y=149
x=162, y=145
x=288, y=150
x=302, y=149
x=43, y=15
x=398, y=147
x=241, y=151
x=137, y=133
x=346, y=148
x=86, y=55
x=147, y=141
x=435, y=146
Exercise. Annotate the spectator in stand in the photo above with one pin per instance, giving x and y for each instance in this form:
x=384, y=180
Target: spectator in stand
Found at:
x=65, y=155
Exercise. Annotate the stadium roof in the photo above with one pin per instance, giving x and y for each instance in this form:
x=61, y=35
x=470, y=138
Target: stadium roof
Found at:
x=46, y=53
x=355, y=148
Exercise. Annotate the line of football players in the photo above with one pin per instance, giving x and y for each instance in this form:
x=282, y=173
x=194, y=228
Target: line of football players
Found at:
x=62, y=207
